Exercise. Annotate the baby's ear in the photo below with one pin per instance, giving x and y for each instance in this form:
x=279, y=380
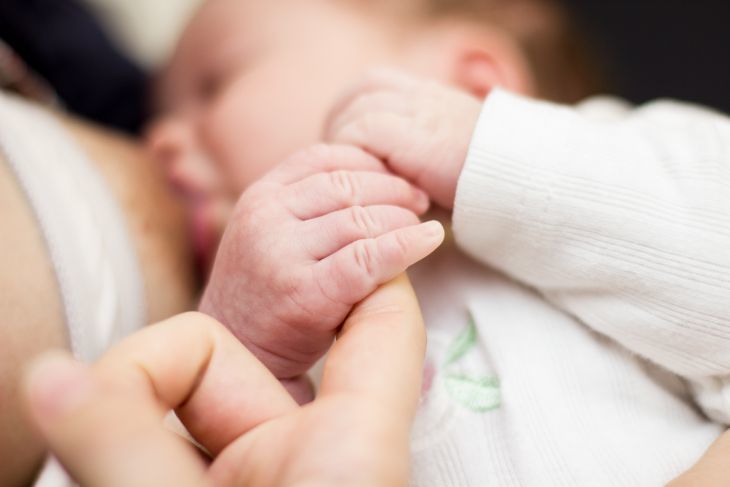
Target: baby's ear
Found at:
x=475, y=71
x=481, y=58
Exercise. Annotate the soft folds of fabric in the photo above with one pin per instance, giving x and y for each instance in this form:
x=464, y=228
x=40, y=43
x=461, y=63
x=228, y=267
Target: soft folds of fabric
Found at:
x=84, y=229
x=620, y=218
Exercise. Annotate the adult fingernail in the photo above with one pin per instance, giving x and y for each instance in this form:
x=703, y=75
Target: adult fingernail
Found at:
x=56, y=385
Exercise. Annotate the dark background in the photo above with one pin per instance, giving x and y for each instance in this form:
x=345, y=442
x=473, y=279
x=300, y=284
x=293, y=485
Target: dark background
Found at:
x=662, y=48
x=648, y=48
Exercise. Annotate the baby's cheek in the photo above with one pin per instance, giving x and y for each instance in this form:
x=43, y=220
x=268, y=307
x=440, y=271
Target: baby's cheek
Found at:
x=239, y=141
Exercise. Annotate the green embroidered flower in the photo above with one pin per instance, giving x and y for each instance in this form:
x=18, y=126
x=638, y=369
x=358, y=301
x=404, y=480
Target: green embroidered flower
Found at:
x=480, y=394
x=476, y=393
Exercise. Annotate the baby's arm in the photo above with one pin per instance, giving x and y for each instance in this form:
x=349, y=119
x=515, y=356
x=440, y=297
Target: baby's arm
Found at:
x=310, y=240
x=621, y=220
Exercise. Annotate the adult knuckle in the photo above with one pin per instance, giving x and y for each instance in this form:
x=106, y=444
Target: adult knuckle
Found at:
x=387, y=314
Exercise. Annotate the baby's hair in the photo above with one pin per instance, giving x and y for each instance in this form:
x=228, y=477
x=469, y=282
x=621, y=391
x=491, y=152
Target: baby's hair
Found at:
x=559, y=53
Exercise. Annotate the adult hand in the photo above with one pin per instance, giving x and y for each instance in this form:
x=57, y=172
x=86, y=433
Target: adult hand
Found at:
x=105, y=422
x=421, y=129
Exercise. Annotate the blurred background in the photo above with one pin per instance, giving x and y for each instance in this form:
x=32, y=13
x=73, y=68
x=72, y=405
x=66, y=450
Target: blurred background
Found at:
x=662, y=48
x=652, y=49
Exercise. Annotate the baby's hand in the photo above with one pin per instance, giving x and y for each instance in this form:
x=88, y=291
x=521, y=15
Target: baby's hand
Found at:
x=307, y=242
x=422, y=129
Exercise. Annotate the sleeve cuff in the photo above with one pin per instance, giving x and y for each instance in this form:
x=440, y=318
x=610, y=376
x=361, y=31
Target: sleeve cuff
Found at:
x=507, y=201
x=505, y=192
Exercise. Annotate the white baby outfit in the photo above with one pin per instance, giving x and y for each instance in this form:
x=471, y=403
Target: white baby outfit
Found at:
x=597, y=353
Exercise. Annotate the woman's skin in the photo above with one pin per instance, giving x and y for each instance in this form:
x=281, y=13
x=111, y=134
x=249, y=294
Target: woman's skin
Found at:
x=713, y=469
x=27, y=329
x=158, y=230
x=105, y=422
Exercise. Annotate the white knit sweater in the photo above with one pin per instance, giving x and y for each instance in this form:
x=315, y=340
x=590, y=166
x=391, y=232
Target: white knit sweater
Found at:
x=599, y=359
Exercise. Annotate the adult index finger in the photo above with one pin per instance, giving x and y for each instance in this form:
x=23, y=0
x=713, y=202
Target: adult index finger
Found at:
x=380, y=351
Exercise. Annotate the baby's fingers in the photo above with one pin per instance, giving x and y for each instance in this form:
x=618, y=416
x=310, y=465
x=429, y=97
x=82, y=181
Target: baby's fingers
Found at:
x=354, y=272
x=324, y=158
x=385, y=134
x=383, y=81
x=327, y=192
x=327, y=234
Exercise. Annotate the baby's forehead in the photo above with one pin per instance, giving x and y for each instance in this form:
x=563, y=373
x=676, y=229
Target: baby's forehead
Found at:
x=214, y=24
x=213, y=17
x=216, y=13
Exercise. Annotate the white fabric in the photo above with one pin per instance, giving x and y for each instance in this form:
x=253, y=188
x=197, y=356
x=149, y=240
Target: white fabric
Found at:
x=95, y=263
x=91, y=251
x=148, y=30
x=590, y=358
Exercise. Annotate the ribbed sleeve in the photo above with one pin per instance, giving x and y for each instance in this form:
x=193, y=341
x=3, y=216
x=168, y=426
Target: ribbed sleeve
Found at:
x=622, y=222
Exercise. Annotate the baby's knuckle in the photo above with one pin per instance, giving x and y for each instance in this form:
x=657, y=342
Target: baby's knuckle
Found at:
x=287, y=282
x=379, y=77
x=400, y=188
x=401, y=244
x=259, y=199
x=350, y=133
x=365, y=255
x=360, y=130
x=363, y=221
x=362, y=103
x=345, y=185
x=368, y=124
x=256, y=219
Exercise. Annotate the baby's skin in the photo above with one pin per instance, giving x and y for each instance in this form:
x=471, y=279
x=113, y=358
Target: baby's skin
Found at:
x=325, y=228
x=421, y=129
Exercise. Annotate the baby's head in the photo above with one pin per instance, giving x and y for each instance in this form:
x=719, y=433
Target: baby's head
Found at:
x=253, y=80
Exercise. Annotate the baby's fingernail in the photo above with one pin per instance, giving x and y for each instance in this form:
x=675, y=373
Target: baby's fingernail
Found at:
x=433, y=230
x=423, y=200
x=56, y=385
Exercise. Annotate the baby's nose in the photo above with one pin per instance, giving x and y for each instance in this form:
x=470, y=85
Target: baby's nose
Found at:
x=174, y=145
x=169, y=140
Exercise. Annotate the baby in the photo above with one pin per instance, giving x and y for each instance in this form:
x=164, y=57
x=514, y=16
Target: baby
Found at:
x=582, y=357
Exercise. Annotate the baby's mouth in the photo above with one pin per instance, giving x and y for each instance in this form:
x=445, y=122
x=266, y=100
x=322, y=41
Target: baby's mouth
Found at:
x=207, y=222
